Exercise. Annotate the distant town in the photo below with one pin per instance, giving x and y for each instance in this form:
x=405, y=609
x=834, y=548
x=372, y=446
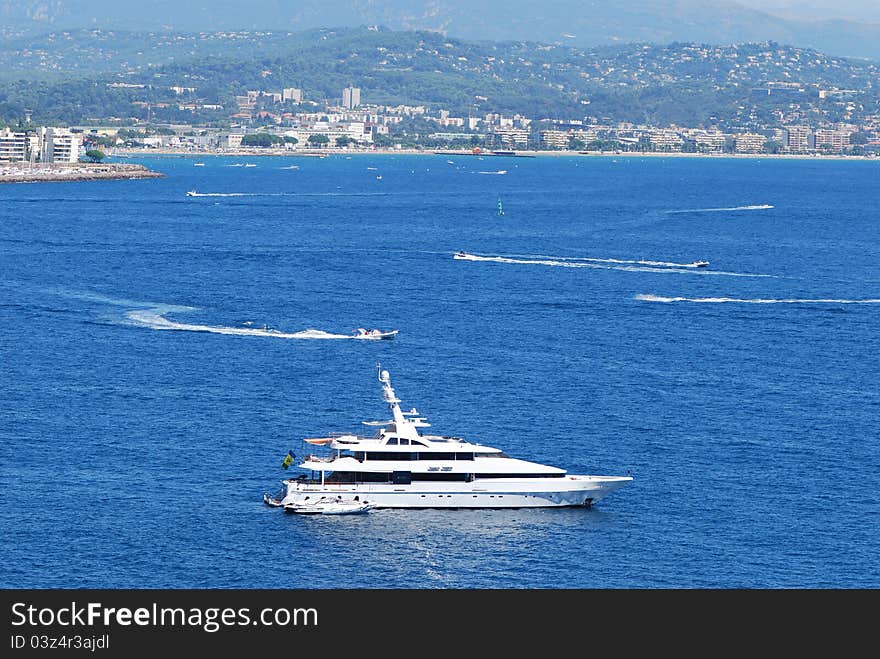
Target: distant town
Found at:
x=260, y=123
x=374, y=89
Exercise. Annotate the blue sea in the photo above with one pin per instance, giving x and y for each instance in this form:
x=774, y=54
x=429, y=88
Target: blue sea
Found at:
x=145, y=414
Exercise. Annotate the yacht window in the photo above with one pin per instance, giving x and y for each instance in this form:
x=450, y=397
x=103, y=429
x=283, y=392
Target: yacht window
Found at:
x=391, y=455
x=392, y=441
x=442, y=476
x=355, y=477
x=404, y=440
x=416, y=443
x=401, y=477
x=520, y=475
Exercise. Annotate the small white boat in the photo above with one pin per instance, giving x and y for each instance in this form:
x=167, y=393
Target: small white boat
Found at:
x=700, y=264
x=192, y=193
x=329, y=506
x=361, y=333
x=273, y=501
x=198, y=164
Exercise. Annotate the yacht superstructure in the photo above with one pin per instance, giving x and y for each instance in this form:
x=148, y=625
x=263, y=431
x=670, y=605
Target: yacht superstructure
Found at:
x=400, y=467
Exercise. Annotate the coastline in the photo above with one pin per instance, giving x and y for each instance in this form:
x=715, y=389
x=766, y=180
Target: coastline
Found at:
x=22, y=172
x=323, y=153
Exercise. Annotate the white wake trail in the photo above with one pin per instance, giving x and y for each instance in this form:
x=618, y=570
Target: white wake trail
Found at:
x=606, y=265
x=229, y=194
x=723, y=300
x=193, y=193
x=154, y=318
x=756, y=207
x=576, y=259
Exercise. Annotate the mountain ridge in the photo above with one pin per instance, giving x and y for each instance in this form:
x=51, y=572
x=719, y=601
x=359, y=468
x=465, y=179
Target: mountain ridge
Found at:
x=585, y=24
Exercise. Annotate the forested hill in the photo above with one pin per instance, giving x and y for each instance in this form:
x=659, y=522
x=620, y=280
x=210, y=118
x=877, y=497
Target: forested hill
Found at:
x=681, y=83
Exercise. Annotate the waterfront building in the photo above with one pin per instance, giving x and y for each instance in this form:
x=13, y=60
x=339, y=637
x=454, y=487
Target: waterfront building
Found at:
x=665, y=140
x=555, y=139
x=509, y=137
x=14, y=146
x=832, y=139
x=750, y=143
x=712, y=141
x=800, y=139
x=59, y=145
x=231, y=140
x=456, y=137
x=292, y=94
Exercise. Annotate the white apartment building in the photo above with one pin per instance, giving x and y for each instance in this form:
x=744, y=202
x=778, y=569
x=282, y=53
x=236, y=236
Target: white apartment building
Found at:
x=665, y=139
x=230, y=140
x=835, y=140
x=14, y=147
x=351, y=97
x=292, y=94
x=510, y=137
x=59, y=145
x=357, y=131
x=555, y=139
x=708, y=140
x=750, y=143
x=800, y=139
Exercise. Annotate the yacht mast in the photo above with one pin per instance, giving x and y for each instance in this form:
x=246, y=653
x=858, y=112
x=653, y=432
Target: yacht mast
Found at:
x=403, y=427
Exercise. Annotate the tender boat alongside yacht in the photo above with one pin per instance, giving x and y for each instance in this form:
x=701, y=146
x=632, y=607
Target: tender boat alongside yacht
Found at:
x=400, y=467
x=329, y=506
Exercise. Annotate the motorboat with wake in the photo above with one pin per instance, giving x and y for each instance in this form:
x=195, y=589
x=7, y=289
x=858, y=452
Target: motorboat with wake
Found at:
x=400, y=467
x=362, y=333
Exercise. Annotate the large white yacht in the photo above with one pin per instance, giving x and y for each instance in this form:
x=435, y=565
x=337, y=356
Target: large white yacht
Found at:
x=400, y=467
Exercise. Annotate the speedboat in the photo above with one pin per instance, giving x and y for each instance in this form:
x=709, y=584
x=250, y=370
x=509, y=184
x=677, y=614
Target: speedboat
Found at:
x=400, y=467
x=329, y=506
x=700, y=264
x=361, y=333
x=192, y=193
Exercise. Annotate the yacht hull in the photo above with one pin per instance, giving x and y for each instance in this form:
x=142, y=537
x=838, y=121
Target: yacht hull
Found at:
x=496, y=493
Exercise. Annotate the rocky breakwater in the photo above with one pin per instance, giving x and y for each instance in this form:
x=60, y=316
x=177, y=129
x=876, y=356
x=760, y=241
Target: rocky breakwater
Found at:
x=33, y=173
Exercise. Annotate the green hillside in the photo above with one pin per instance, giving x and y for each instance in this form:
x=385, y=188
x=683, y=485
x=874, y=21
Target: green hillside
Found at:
x=681, y=83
